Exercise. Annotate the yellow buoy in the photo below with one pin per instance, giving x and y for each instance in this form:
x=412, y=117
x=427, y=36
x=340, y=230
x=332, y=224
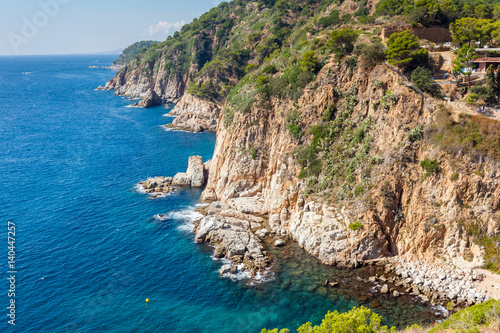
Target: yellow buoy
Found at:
x=147, y=300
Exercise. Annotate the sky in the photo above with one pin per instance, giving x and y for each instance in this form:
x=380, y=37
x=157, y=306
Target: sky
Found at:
x=31, y=27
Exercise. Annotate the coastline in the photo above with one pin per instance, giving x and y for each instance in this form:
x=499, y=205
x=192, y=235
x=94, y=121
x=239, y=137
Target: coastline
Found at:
x=242, y=212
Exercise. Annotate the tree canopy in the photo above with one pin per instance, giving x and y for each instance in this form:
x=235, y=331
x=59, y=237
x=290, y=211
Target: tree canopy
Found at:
x=342, y=40
x=359, y=320
x=404, y=50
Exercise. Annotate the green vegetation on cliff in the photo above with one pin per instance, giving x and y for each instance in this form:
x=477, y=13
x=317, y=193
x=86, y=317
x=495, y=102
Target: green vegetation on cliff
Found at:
x=132, y=51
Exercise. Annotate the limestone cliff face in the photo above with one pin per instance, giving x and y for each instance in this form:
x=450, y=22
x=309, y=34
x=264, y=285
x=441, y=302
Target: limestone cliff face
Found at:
x=195, y=114
x=404, y=212
x=135, y=80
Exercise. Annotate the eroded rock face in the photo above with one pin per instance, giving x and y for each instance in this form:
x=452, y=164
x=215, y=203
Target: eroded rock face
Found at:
x=194, y=114
x=136, y=81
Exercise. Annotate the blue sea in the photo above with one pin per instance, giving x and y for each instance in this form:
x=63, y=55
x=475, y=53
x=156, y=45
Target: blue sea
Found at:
x=88, y=248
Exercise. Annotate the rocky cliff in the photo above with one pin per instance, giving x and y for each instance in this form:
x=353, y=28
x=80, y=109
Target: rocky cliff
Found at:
x=397, y=208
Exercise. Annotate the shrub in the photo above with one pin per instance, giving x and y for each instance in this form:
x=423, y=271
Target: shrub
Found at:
x=293, y=124
x=251, y=67
x=362, y=11
x=262, y=80
x=309, y=62
x=332, y=19
x=454, y=176
x=253, y=153
x=359, y=190
x=342, y=40
x=359, y=135
x=355, y=226
x=270, y=69
x=422, y=78
x=371, y=54
x=472, y=98
x=329, y=112
x=376, y=160
x=415, y=134
x=480, y=91
x=431, y=166
x=295, y=131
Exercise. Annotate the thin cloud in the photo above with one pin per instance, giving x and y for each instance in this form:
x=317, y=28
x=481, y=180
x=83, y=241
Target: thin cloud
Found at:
x=164, y=27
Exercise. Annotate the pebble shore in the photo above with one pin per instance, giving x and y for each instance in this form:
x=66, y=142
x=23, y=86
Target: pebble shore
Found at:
x=439, y=284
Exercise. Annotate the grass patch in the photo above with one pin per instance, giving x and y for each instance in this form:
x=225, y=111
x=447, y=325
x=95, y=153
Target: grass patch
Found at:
x=492, y=253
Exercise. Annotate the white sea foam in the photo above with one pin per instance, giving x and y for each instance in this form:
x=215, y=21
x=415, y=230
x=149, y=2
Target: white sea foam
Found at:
x=170, y=116
x=184, y=218
x=170, y=129
x=154, y=195
x=27, y=73
x=161, y=217
x=158, y=195
x=267, y=276
x=439, y=310
x=131, y=106
x=139, y=189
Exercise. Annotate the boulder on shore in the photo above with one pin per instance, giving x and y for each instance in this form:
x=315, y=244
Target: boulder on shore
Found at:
x=279, y=243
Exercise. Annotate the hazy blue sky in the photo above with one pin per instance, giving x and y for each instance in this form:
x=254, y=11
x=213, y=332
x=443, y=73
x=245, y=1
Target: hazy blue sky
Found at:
x=87, y=26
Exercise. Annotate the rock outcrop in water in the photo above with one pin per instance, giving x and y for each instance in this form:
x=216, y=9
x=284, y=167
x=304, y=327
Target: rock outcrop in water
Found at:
x=231, y=233
x=157, y=186
x=151, y=99
x=195, y=176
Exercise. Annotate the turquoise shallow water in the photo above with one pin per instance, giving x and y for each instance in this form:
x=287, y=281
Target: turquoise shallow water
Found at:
x=89, y=251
